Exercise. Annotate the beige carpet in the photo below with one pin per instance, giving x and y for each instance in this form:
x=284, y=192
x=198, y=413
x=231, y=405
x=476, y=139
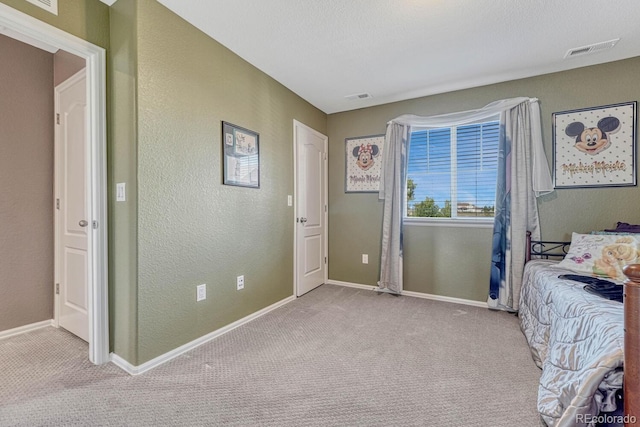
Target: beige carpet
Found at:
x=335, y=357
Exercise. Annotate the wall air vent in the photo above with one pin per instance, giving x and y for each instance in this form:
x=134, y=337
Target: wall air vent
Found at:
x=592, y=48
x=358, y=96
x=48, y=5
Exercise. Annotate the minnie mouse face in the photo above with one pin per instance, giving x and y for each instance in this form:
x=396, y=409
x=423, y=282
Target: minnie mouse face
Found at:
x=593, y=140
x=364, y=155
x=365, y=160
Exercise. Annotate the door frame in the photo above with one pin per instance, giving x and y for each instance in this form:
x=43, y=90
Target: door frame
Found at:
x=296, y=125
x=14, y=23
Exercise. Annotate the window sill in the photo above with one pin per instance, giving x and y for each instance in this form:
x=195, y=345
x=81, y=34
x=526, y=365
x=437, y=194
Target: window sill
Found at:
x=440, y=222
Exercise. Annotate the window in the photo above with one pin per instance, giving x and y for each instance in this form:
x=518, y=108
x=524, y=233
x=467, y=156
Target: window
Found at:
x=453, y=171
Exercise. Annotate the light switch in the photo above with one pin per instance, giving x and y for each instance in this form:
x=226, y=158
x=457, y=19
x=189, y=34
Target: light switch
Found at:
x=121, y=194
x=289, y=200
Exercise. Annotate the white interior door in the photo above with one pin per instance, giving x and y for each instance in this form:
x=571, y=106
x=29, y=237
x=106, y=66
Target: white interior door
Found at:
x=311, y=208
x=72, y=223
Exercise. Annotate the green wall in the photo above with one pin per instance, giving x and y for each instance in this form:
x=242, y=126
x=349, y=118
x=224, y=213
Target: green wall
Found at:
x=191, y=228
x=123, y=164
x=169, y=87
x=455, y=261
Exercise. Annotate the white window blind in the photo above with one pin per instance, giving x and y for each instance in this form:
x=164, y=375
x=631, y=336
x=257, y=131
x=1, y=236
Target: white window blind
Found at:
x=452, y=172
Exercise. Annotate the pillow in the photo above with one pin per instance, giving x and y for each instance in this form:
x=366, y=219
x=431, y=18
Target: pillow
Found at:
x=601, y=255
x=626, y=227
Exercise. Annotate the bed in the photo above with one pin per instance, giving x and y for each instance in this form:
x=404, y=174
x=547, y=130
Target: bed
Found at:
x=578, y=339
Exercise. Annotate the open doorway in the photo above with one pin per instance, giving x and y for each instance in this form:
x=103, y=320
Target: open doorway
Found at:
x=19, y=26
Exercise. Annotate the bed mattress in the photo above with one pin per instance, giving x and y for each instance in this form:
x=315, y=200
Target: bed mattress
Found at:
x=577, y=339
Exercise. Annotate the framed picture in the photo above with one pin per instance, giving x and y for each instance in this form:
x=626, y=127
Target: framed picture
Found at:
x=595, y=147
x=241, y=156
x=363, y=163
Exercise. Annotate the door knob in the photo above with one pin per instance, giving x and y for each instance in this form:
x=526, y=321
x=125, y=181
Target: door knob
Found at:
x=83, y=223
x=303, y=220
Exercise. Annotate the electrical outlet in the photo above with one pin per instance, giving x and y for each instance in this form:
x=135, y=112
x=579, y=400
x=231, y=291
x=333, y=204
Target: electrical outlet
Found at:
x=201, y=292
x=365, y=258
x=240, y=282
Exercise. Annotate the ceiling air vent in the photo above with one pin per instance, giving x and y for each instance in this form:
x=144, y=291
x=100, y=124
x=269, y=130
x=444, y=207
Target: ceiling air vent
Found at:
x=592, y=48
x=48, y=5
x=358, y=96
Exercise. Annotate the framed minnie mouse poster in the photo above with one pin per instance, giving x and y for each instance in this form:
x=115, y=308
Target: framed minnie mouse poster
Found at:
x=363, y=164
x=595, y=147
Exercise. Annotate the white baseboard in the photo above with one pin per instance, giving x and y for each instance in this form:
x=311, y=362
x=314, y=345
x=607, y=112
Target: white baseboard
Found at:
x=446, y=299
x=414, y=294
x=351, y=285
x=153, y=363
x=24, y=329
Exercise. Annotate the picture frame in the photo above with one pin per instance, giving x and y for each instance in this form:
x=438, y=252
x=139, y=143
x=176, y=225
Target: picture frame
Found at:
x=241, y=156
x=363, y=164
x=595, y=147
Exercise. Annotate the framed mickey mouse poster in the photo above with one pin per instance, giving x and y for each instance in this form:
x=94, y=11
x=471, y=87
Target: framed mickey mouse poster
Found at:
x=363, y=163
x=595, y=147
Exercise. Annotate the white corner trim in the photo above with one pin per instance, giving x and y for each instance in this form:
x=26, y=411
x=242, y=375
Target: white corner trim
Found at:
x=123, y=364
x=414, y=294
x=24, y=329
x=153, y=363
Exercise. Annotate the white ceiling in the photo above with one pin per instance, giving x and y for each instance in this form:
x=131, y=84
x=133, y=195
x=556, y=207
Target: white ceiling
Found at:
x=324, y=50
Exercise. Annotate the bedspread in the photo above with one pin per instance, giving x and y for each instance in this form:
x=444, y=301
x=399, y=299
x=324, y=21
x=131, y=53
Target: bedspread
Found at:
x=577, y=339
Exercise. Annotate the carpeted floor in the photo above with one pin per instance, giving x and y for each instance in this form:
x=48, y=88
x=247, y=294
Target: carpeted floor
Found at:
x=335, y=357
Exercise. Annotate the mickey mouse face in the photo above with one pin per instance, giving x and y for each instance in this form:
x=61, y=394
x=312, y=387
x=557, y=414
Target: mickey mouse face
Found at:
x=593, y=140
